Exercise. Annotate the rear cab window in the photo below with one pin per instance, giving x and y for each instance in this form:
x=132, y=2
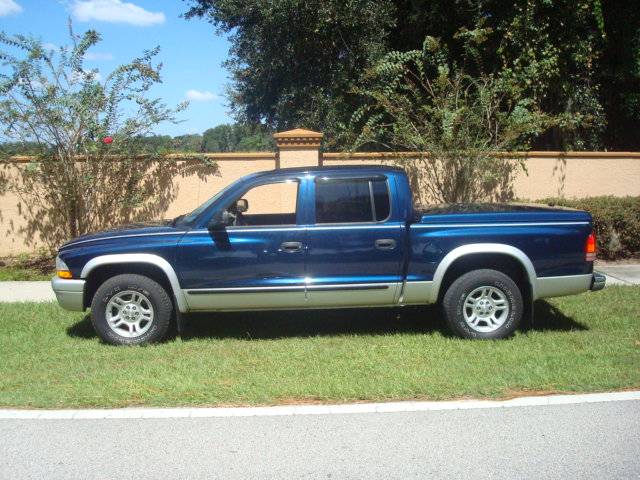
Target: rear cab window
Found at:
x=352, y=200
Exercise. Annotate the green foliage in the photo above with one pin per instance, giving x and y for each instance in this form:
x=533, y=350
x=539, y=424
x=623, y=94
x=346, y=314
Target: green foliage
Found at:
x=62, y=113
x=417, y=101
x=616, y=221
x=619, y=72
x=237, y=138
x=295, y=63
x=220, y=139
x=187, y=143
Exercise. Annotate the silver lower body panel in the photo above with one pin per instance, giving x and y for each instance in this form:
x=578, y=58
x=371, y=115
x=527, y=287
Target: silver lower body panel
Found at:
x=313, y=296
x=560, y=286
x=70, y=293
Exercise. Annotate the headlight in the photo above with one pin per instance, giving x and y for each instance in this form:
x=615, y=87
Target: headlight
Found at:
x=61, y=269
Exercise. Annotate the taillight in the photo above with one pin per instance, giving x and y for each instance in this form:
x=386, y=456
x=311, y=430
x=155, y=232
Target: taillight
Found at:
x=590, y=248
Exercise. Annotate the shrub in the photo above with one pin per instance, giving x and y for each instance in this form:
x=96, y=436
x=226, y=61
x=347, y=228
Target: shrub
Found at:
x=92, y=167
x=417, y=101
x=616, y=221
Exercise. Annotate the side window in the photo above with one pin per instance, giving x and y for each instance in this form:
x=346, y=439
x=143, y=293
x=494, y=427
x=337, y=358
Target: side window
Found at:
x=351, y=200
x=268, y=204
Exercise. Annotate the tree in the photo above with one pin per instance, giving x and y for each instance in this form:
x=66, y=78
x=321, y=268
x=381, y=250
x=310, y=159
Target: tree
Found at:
x=294, y=62
x=93, y=167
x=236, y=138
x=456, y=122
x=187, y=143
x=297, y=63
x=619, y=74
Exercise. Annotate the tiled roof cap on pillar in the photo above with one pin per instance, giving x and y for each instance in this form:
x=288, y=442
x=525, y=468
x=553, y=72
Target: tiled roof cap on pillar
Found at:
x=298, y=148
x=298, y=138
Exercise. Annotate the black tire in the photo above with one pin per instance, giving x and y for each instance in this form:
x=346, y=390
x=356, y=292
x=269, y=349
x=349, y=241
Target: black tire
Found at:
x=453, y=304
x=157, y=296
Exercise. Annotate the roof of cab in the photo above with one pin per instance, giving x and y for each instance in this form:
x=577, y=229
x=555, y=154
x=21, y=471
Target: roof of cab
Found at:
x=333, y=168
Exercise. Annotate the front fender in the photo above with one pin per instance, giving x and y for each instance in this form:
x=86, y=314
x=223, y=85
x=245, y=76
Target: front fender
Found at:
x=147, y=258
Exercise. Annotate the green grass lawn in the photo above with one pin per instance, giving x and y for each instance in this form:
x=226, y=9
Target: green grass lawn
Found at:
x=51, y=358
x=13, y=273
x=27, y=267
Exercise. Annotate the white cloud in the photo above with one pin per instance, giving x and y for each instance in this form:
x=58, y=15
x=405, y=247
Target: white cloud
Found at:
x=49, y=46
x=200, y=96
x=7, y=7
x=98, y=56
x=114, y=11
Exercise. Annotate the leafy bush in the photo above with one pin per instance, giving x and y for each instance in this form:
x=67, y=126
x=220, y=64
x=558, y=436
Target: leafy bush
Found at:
x=616, y=222
x=92, y=167
x=416, y=101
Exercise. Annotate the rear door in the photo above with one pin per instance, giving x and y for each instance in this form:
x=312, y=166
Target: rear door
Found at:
x=355, y=242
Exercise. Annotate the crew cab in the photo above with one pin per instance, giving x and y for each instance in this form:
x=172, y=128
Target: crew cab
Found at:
x=328, y=237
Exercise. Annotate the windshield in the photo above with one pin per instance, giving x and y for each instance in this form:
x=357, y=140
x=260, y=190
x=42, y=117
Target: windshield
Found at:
x=190, y=217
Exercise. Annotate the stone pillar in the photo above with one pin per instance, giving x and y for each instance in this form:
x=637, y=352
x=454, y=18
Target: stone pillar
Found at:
x=298, y=148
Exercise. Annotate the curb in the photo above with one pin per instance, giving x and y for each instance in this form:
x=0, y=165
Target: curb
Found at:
x=288, y=410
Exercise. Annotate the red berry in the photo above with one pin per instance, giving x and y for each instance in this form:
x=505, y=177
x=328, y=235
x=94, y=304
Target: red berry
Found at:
x=107, y=140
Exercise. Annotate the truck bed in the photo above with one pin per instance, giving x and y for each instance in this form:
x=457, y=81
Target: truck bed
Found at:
x=459, y=213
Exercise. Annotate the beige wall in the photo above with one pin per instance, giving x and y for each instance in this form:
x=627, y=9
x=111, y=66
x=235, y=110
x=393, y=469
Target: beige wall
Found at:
x=192, y=191
x=550, y=174
x=578, y=177
x=571, y=174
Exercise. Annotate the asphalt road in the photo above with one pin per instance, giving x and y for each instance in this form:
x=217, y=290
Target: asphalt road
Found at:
x=594, y=440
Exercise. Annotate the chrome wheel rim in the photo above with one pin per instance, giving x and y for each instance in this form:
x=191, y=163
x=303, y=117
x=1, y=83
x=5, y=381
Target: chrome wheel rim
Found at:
x=485, y=309
x=129, y=314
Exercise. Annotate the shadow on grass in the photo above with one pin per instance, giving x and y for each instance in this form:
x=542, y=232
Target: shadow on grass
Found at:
x=82, y=329
x=549, y=318
x=313, y=323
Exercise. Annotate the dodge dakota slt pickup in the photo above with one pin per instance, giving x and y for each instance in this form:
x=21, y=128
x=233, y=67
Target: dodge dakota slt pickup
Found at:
x=328, y=237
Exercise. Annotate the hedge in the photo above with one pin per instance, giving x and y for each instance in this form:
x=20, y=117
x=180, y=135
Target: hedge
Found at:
x=616, y=222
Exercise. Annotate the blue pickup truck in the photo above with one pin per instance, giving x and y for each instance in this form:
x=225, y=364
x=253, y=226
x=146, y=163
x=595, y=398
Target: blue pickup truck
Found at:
x=328, y=237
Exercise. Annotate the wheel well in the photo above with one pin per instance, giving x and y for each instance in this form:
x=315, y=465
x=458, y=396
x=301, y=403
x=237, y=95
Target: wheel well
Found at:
x=100, y=274
x=495, y=261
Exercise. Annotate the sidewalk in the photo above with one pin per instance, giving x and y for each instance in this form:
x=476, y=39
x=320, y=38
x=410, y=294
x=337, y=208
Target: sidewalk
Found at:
x=41, y=291
x=26, y=292
x=621, y=274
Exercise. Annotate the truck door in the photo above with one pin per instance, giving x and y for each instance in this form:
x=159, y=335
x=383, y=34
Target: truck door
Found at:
x=257, y=261
x=355, y=243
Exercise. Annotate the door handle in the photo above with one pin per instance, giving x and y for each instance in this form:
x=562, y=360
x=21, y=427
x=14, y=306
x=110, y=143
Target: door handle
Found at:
x=385, y=244
x=291, y=247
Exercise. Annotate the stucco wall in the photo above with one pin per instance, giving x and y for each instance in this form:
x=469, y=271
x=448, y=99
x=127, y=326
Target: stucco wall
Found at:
x=572, y=175
x=550, y=174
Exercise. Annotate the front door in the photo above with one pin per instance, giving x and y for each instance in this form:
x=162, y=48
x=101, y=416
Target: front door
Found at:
x=355, y=244
x=256, y=262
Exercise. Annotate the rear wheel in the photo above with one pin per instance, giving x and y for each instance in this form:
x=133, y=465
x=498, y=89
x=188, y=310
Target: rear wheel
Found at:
x=483, y=304
x=131, y=310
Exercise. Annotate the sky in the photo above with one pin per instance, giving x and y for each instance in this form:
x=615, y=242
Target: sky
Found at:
x=191, y=51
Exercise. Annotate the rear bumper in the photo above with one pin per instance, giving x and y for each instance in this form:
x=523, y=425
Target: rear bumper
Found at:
x=70, y=293
x=598, y=281
x=568, y=285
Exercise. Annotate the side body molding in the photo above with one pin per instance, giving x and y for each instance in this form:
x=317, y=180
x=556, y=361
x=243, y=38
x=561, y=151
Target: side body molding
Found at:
x=475, y=248
x=148, y=258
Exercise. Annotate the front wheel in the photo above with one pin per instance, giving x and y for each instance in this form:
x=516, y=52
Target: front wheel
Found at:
x=131, y=310
x=483, y=304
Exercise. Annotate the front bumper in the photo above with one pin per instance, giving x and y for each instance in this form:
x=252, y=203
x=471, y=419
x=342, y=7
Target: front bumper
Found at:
x=598, y=281
x=70, y=293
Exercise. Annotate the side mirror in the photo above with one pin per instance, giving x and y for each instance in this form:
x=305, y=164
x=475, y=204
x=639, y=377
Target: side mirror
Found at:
x=218, y=222
x=242, y=205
